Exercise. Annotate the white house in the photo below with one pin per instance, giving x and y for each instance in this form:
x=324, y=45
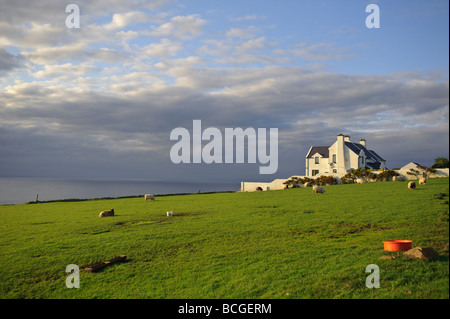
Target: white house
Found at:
x=341, y=157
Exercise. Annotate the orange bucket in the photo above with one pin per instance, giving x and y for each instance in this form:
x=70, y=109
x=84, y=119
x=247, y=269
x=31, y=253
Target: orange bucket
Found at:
x=397, y=245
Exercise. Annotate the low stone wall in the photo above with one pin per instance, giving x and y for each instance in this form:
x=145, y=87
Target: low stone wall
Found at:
x=274, y=185
x=278, y=183
x=440, y=172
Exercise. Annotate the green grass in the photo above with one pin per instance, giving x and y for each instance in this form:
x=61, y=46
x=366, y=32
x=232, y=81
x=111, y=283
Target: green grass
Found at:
x=276, y=244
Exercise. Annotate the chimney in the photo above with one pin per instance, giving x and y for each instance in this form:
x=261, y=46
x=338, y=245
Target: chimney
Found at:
x=362, y=142
x=347, y=138
x=340, y=157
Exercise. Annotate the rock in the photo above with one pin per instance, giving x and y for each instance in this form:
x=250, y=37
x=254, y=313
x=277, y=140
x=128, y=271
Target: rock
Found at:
x=425, y=253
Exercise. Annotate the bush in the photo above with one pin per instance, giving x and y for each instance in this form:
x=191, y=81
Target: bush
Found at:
x=326, y=180
x=363, y=173
x=293, y=182
x=386, y=175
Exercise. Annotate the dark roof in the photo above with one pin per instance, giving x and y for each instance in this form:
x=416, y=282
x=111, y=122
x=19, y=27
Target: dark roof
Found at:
x=374, y=165
x=356, y=147
x=322, y=150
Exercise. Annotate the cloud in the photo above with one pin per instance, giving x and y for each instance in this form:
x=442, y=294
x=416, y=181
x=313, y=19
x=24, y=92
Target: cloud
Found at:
x=244, y=33
x=105, y=97
x=181, y=27
x=320, y=51
x=10, y=62
x=165, y=48
x=56, y=54
x=248, y=17
x=68, y=71
x=291, y=99
x=122, y=20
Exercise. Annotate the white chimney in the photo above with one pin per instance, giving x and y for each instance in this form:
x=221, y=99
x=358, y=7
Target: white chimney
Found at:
x=340, y=154
x=347, y=138
x=362, y=142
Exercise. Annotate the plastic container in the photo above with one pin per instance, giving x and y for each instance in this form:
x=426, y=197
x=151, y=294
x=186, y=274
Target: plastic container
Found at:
x=397, y=245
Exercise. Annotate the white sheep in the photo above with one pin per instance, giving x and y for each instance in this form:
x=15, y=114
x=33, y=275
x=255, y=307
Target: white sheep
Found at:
x=149, y=196
x=411, y=185
x=106, y=213
x=318, y=190
x=170, y=213
x=306, y=184
x=422, y=181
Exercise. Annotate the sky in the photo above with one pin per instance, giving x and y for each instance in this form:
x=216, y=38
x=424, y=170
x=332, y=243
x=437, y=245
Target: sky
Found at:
x=101, y=100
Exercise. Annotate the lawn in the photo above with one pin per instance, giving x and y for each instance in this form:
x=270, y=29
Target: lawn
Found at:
x=275, y=244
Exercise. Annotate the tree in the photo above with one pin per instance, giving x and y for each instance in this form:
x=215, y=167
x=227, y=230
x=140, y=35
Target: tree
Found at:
x=440, y=162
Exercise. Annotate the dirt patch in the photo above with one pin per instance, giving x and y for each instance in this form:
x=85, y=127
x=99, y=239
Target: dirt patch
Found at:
x=343, y=229
x=297, y=232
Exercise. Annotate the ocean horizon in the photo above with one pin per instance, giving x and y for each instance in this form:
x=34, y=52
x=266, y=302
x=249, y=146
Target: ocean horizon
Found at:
x=19, y=190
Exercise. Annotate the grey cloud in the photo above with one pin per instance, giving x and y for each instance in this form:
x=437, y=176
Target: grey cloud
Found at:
x=9, y=62
x=308, y=108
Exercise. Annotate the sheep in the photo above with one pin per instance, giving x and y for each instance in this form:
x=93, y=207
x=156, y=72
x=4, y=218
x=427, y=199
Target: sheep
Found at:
x=149, y=196
x=170, y=213
x=359, y=181
x=318, y=190
x=422, y=181
x=306, y=184
x=106, y=213
x=411, y=185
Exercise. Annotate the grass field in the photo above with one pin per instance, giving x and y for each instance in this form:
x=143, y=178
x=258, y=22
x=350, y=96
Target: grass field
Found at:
x=276, y=244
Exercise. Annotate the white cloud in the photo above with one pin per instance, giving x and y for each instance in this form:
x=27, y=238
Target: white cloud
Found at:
x=181, y=27
x=165, y=48
x=121, y=20
x=246, y=33
x=67, y=71
x=55, y=54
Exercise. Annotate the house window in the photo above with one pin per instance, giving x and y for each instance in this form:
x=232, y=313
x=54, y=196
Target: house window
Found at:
x=316, y=159
x=315, y=172
x=362, y=159
x=334, y=170
x=334, y=158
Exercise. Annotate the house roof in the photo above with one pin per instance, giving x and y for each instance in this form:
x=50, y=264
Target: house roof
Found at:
x=410, y=165
x=356, y=147
x=322, y=150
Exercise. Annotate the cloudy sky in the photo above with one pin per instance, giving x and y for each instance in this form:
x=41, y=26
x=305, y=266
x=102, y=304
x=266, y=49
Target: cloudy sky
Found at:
x=102, y=99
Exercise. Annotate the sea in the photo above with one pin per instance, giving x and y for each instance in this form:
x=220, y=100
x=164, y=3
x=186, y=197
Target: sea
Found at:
x=19, y=190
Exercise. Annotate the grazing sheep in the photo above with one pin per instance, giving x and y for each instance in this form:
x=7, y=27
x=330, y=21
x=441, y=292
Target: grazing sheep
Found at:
x=422, y=181
x=170, y=213
x=306, y=184
x=149, y=196
x=359, y=181
x=106, y=213
x=411, y=185
x=318, y=190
